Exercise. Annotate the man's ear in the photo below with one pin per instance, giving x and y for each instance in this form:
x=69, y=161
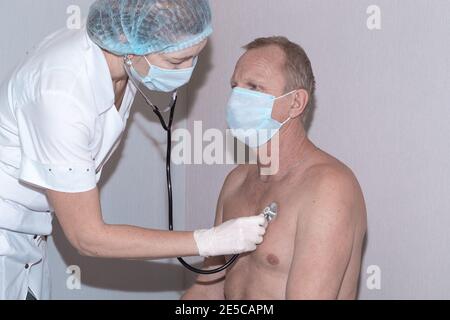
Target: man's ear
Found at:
x=301, y=99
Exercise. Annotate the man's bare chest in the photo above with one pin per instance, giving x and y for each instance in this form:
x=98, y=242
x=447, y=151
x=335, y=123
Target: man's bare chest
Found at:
x=275, y=253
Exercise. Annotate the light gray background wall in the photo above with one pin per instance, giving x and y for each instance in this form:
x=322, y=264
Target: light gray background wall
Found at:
x=382, y=108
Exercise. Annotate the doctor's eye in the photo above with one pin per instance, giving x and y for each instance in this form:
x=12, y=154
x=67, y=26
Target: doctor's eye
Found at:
x=187, y=62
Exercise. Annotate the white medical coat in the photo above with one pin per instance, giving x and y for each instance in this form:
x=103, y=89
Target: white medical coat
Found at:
x=58, y=127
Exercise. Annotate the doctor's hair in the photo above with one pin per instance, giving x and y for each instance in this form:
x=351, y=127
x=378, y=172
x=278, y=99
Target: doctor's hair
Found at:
x=298, y=66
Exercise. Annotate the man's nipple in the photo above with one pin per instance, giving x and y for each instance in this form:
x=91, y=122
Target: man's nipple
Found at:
x=273, y=260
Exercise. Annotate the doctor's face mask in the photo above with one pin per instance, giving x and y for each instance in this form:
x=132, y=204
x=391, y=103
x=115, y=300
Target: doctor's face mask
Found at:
x=161, y=79
x=167, y=71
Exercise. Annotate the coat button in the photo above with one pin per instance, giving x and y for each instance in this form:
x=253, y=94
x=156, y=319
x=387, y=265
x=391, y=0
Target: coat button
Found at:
x=35, y=237
x=27, y=266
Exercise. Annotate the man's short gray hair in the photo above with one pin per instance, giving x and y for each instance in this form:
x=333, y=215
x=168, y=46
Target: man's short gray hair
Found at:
x=299, y=73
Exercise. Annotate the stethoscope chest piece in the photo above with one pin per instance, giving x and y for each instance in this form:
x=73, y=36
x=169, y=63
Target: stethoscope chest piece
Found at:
x=270, y=212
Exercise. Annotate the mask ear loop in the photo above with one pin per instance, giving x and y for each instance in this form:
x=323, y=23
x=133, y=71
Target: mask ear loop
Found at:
x=286, y=121
x=280, y=97
x=285, y=95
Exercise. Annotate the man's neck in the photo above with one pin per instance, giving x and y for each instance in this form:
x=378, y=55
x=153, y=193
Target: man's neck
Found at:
x=293, y=145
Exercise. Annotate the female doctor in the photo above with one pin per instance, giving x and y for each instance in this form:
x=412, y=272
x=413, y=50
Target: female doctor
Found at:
x=62, y=115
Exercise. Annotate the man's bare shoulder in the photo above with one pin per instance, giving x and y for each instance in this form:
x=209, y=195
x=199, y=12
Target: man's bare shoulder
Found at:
x=329, y=182
x=325, y=168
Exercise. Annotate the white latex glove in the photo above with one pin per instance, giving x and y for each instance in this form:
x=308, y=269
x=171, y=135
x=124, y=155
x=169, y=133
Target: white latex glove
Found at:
x=232, y=237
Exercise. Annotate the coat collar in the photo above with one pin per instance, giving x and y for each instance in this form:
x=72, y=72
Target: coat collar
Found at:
x=99, y=74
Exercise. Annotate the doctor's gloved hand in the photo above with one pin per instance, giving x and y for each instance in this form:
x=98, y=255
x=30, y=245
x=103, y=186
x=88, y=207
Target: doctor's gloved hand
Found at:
x=232, y=237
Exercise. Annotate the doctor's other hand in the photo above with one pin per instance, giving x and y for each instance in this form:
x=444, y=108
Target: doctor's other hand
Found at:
x=232, y=237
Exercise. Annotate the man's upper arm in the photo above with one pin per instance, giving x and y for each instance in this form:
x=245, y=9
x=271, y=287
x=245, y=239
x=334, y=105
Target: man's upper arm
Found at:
x=324, y=240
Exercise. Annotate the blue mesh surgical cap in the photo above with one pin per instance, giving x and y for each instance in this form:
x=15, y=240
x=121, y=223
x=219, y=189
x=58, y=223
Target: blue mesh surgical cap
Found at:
x=141, y=27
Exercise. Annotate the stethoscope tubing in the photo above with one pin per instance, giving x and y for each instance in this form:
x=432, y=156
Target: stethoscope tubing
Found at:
x=168, y=128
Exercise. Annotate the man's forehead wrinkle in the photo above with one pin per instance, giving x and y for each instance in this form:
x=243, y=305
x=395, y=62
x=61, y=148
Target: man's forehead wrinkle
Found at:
x=255, y=69
x=259, y=66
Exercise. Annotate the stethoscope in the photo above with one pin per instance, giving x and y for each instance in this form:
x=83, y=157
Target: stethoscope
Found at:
x=269, y=212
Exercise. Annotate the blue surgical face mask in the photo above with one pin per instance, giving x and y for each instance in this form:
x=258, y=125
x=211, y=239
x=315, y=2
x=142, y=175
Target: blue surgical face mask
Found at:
x=249, y=116
x=165, y=80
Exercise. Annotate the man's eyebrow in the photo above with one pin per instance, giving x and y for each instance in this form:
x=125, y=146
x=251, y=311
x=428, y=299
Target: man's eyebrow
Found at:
x=255, y=83
x=249, y=83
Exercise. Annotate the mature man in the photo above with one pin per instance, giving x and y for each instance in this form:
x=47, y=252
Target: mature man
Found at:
x=313, y=249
